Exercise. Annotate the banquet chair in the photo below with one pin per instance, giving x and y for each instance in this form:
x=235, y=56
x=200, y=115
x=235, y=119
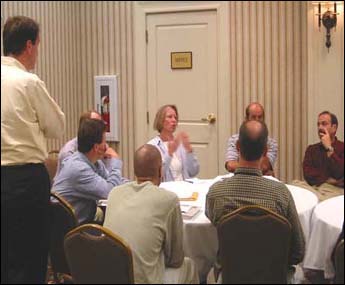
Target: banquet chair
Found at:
x=339, y=263
x=97, y=256
x=51, y=163
x=63, y=220
x=253, y=246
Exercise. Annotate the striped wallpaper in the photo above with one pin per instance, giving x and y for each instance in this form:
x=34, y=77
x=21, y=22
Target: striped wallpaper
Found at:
x=268, y=63
x=78, y=41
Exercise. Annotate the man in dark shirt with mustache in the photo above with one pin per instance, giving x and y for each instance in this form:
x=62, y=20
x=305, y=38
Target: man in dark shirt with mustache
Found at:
x=323, y=164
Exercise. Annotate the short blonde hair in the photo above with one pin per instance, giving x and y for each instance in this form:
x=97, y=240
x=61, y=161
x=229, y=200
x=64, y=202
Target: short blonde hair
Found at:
x=160, y=116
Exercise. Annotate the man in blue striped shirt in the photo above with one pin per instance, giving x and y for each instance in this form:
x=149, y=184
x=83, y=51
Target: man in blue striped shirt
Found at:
x=254, y=111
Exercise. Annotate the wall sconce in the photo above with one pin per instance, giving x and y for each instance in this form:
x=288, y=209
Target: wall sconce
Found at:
x=328, y=19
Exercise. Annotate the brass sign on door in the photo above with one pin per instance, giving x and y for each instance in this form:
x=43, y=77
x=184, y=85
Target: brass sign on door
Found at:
x=181, y=60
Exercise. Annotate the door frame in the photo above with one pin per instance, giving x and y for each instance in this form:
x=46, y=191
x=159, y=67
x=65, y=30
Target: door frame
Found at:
x=144, y=8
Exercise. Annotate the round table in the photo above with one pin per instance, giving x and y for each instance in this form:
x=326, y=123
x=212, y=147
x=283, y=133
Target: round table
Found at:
x=200, y=236
x=305, y=202
x=326, y=224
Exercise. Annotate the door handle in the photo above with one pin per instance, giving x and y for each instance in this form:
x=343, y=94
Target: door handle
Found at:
x=211, y=118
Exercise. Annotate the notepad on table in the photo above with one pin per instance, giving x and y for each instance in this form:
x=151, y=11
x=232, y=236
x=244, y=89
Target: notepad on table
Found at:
x=185, y=191
x=188, y=211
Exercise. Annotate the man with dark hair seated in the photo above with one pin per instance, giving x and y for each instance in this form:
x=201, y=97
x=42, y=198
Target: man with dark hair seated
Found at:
x=323, y=164
x=83, y=178
x=72, y=145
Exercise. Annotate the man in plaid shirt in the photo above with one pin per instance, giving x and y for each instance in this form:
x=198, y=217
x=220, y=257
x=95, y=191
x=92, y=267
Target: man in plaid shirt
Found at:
x=248, y=187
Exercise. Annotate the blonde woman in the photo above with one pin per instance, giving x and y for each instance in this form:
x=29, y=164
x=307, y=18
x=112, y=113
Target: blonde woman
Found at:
x=179, y=160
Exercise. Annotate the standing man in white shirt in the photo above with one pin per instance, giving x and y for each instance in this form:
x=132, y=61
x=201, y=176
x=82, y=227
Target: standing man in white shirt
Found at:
x=29, y=115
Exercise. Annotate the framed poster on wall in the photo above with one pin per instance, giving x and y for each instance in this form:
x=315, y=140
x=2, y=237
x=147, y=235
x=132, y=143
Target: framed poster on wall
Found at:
x=106, y=103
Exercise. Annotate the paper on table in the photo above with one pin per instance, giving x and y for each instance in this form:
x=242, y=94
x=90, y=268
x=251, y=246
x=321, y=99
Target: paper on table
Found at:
x=190, y=211
x=102, y=202
x=185, y=208
x=184, y=190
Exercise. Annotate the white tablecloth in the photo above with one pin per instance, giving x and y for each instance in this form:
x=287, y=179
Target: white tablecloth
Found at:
x=305, y=202
x=326, y=224
x=200, y=236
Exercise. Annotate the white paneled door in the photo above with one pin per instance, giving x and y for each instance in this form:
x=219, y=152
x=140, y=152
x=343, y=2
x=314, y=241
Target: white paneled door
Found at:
x=189, y=40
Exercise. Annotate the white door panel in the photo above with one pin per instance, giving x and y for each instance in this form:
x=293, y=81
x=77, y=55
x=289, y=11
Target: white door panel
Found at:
x=194, y=91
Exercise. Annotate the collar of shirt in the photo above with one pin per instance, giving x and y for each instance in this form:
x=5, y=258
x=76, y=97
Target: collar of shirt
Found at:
x=336, y=142
x=248, y=171
x=11, y=61
x=84, y=157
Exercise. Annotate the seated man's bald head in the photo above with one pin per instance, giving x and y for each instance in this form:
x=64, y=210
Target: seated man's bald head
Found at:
x=147, y=162
x=252, y=139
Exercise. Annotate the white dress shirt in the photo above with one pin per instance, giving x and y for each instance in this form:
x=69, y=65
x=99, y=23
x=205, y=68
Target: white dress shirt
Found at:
x=28, y=115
